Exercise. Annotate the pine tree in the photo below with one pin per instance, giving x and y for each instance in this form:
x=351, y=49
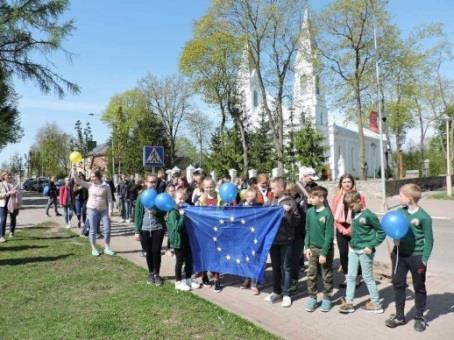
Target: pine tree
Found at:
x=310, y=147
x=261, y=148
x=227, y=155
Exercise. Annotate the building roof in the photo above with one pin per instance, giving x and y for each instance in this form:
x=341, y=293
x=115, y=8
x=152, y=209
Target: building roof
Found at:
x=100, y=150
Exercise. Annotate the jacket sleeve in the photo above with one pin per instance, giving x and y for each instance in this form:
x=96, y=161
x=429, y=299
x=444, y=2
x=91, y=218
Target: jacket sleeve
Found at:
x=428, y=239
x=306, y=237
x=175, y=221
x=138, y=216
x=329, y=235
x=379, y=233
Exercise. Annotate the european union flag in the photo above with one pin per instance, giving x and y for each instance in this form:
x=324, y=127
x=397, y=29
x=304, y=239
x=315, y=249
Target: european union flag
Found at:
x=232, y=240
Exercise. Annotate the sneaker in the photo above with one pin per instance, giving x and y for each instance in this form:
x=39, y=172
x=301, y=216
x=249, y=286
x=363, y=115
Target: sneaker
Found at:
x=150, y=279
x=193, y=284
x=286, y=301
x=205, y=281
x=58, y=214
x=158, y=280
x=246, y=284
x=123, y=221
x=420, y=324
x=255, y=290
x=372, y=308
x=394, y=321
x=273, y=297
x=217, y=287
x=181, y=285
x=11, y=235
x=2, y=239
x=143, y=254
x=346, y=308
x=311, y=304
x=95, y=252
x=109, y=252
x=325, y=306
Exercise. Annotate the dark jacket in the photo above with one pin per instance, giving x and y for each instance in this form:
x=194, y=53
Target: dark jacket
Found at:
x=123, y=189
x=134, y=190
x=81, y=194
x=290, y=221
x=53, y=191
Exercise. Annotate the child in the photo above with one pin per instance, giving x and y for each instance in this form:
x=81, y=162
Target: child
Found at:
x=366, y=235
x=319, y=249
x=414, y=252
x=180, y=244
x=210, y=197
x=250, y=201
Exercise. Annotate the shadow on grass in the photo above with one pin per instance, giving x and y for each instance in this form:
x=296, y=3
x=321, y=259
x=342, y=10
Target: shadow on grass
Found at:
x=51, y=237
x=24, y=247
x=25, y=260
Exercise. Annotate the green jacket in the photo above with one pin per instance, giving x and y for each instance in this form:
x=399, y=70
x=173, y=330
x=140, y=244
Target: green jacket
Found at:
x=319, y=230
x=419, y=239
x=366, y=231
x=140, y=211
x=176, y=229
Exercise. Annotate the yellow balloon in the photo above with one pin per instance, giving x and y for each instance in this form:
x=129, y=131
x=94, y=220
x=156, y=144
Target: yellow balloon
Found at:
x=75, y=157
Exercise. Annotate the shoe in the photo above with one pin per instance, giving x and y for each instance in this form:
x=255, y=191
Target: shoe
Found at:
x=158, y=280
x=206, y=282
x=346, y=308
x=143, y=254
x=181, y=285
x=150, y=279
x=123, y=221
x=246, y=284
x=109, y=252
x=255, y=290
x=58, y=214
x=11, y=235
x=95, y=252
x=217, y=287
x=193, y=284
x=286, y=301
x=325, y=306
x=2, y=240
x=47, y=214
x=394, y=321
x=68, y=226
x=372, y=308
x=128, y=220
x=311, y=304
x=420, y=324
x=273, y=297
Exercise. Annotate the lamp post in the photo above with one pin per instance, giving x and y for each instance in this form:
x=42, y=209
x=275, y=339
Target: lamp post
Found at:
x=448, y=159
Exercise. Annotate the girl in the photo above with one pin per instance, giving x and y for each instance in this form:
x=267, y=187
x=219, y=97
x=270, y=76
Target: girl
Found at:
x=80, y=200
x=66, y=196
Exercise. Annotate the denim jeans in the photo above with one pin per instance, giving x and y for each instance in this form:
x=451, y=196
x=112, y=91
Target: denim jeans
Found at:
x=281, y=255
x=124, y=208
x=355, y=258
x=81, y=209
x=68, y=210
x=3, y=217
x=94, y=217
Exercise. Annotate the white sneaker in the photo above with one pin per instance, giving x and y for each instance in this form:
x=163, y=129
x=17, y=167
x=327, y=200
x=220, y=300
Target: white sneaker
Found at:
x=68, y=226
x=273, y=297
x=181, y=285
x=128, y=220
x=193, y=284
x=286, y=301
x=2, y=239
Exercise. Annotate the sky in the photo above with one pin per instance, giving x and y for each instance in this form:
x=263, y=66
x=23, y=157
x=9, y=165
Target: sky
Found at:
x=118, y=42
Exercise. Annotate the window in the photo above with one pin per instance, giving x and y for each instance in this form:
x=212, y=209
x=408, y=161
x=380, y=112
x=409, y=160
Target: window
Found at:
x=317, y=85
x=255, y=99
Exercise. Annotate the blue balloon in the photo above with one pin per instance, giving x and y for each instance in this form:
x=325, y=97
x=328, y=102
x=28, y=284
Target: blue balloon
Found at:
x=148, y=198
x=395, y=224
x=228, y=192
x=164, y=202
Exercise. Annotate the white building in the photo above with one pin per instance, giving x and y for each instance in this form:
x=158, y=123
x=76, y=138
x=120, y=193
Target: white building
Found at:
x=309, y=103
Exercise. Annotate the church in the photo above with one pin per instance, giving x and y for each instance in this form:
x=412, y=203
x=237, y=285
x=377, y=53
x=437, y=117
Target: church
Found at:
x=308, y=102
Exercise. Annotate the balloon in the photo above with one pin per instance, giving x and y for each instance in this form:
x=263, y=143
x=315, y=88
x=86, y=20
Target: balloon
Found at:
x=243, y=194
x=164, y=202
x=395, y=224
x=228, y=192
x=75, y=157
x=148, y=198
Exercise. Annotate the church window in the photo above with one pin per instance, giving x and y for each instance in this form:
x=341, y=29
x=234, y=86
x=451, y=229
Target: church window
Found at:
x=255, y=99
x=317, y=84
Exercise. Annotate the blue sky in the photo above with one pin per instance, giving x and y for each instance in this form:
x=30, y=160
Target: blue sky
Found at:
x=118, y=42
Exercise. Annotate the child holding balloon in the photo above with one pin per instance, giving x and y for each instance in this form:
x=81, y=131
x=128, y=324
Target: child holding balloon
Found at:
x=366, y=235
x=411, y=254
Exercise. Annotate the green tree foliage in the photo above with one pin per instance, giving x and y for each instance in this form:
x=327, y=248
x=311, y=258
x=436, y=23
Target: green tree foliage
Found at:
x=10, y=129
x=31, y=31
x=261, y=148
x=83, y=141
x=226, y=156
x=187, y=150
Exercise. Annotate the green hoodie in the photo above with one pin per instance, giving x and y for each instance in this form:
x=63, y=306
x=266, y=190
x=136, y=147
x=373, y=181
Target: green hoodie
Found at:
x=319, y=229
x=176, y=229
x=366, y=231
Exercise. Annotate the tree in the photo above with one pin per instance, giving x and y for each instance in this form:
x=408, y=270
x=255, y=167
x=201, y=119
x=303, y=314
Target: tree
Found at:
x=16, y=164
x=310, y=147
x=83, y=141
x=347, y=46
x=225, y=157
x=261, y=148
x=168, y=98
x=30, y=30
x=200, y=127
x=185, y=148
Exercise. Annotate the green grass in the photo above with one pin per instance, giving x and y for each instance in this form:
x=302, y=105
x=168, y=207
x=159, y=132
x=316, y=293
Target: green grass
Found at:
x=51, y=288
x=442, y=196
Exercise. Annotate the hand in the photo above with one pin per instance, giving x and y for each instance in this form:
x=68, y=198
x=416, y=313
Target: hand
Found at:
x=308, y=253
x=367, y=251
x=137, y=237
x=287, y=207
x=322, y=259
x=346, y=231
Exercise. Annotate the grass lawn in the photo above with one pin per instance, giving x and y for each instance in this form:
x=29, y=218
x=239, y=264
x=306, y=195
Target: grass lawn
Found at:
x=51, y=288
x=442, y=196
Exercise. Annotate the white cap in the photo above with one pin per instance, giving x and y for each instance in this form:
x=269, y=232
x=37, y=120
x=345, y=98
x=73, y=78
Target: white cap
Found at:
x=308, y=172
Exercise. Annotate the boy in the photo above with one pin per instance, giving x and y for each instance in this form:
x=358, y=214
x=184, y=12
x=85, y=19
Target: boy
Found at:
x=319, y=249
x=281, y=250
x=366, y=235
x=414, y=252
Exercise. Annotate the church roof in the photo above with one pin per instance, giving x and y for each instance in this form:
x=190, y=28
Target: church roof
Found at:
x=352, y=128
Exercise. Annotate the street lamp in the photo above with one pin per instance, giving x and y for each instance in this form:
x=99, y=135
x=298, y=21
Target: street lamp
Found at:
x=448, y=158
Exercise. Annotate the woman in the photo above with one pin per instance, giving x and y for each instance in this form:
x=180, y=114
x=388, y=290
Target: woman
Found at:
x=80, y=199
x=9, y=204
x=99, y=207
x=343, y=219
x=66, y=196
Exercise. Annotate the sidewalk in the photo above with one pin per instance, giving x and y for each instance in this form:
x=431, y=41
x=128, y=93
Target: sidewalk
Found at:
x=295, y=322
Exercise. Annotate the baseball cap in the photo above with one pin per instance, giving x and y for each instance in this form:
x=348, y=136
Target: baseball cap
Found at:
x=308, y=172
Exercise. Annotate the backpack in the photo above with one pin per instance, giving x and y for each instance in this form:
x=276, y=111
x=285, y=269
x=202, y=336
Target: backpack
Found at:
x=46, y=190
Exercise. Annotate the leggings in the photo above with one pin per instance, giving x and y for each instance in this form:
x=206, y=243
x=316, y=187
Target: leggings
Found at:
x=151, y=242
x=183, y=255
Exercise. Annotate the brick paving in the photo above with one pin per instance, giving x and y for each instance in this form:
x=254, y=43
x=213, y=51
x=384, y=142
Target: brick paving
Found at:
x=295, y=322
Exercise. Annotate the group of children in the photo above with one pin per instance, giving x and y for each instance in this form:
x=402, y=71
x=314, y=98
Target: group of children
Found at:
x=366, y=234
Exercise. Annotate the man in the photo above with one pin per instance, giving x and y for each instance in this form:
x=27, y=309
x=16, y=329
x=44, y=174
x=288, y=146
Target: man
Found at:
x=123, y=195
x=53, y=194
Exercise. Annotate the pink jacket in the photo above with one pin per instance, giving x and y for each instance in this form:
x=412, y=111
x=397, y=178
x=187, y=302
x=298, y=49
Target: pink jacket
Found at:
x=64, y=192
x=342, y=221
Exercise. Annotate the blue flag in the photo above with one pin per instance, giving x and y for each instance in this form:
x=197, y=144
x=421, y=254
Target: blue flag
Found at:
x=232, y=240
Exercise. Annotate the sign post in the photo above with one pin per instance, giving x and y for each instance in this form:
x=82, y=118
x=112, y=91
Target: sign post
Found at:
x=153, y=157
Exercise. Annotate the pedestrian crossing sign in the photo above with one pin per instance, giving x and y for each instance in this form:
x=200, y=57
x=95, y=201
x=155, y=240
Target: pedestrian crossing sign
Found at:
x=153, y=156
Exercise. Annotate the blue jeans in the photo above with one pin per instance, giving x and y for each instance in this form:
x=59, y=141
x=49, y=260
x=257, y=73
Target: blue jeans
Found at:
x=3, y=217
x=81, y=210
x=355, y=258
x=94, y=217
x=124, y=208
x=281, y=256
x=68, y=210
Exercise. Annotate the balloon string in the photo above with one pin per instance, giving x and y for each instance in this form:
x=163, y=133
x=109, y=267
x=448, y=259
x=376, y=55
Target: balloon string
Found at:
x=397, y=260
